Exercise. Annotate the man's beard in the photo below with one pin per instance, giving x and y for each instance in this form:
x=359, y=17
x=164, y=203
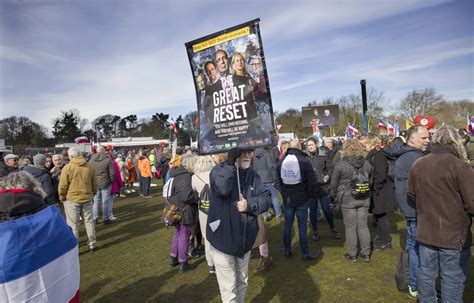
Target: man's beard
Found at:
x=244, y=164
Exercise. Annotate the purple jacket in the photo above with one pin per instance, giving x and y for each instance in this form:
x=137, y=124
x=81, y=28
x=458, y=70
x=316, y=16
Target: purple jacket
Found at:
x=118, y=182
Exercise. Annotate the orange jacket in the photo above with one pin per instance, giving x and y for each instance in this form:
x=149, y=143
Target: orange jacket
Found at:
x=144, y=167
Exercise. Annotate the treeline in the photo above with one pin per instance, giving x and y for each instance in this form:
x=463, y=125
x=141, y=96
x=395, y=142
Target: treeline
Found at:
x=21, y=132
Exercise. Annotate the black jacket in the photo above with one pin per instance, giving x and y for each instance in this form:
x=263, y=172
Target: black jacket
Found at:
x=383, y=189
x=227, y=229
x=406, y=156
x=321, y=168
x=5, y=170
x=182, y=195
x=298, y=194
x=44, y=178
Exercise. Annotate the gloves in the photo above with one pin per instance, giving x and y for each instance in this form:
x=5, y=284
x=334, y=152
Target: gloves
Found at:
x=232, y=155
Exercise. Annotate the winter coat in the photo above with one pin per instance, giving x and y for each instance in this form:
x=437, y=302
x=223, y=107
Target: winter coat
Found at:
x=470, y=151
x=342, y=177
x=227, y=229
x=405, y=157
x=183, y=195
x=383, y=190
x=104, y=169
x=5, y=170
x=264, y=164
x=44, y=178
x=78, y=182
x=132, y=174
x=144, y=167
x=442, y=187
x=118, y=182
x=321, y=168
x=300, y=193
x=16, y=203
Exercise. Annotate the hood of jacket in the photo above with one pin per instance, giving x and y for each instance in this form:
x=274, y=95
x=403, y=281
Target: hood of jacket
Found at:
x=176, y=171
x=398, y=148
x=259, y=153
x=99, y=157
x=357, y=162
x=15, y=203
x=35, y=171
x=78, y=161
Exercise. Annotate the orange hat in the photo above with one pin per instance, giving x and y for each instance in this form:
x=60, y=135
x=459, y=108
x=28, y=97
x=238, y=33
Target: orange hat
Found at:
x=176, y=161
x=428, y=122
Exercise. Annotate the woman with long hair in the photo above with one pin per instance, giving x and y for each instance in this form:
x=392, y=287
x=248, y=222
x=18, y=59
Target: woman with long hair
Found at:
x=354, y=211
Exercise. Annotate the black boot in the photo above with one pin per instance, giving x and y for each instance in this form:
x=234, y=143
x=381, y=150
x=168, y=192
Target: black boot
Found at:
x=185, y=266
x=174, y=261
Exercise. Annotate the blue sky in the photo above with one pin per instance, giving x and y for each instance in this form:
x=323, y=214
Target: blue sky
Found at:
x=128, y=57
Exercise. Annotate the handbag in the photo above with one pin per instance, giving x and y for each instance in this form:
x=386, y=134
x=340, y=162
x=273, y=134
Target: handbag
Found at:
x=172, y=214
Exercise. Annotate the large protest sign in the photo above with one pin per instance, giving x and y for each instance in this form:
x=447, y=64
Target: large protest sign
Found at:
x=232, y=90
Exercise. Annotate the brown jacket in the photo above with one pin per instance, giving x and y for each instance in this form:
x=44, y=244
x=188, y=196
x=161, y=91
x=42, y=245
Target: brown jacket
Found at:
x=78, y=182
x=443, y=187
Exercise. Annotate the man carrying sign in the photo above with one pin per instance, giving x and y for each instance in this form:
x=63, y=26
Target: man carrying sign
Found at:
x=232, y=225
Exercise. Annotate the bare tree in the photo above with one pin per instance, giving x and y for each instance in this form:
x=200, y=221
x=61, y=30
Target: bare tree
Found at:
x=422, y=102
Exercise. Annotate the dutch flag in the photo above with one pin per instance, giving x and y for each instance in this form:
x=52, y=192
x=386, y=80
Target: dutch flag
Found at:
x=39, y=259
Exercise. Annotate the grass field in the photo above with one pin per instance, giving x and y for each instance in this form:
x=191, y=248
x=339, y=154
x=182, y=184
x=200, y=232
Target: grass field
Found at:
x=131, y=265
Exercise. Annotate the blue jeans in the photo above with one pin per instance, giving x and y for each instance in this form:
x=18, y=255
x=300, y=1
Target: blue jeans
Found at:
x=326, y=207
x=302, y=217
x=145, y=186
x=454, y=265
x=103, y=194
x=412, y=249
x=274, y=193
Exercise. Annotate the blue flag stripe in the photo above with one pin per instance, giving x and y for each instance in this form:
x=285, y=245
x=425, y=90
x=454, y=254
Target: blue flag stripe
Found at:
x=31, y=242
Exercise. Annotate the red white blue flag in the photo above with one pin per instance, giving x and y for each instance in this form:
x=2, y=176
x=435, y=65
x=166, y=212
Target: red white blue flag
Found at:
x=39, y=259
x=470, y=124
x=381, y=124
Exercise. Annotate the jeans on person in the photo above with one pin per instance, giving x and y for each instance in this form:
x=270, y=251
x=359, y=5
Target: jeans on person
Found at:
x=301, y=212
x=326, y=207
x=232, y=275
x=274, y=193
x=73, y=212
x=102, y=195
x=412, y=249
x=110, y=205
x=145, y=186
x=354, y=215
x=180, y=242
x=454, y=266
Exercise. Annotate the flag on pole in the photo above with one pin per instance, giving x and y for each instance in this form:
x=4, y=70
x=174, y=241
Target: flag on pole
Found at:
x=390, y=128
x=40, y=261
x=351, y=131
x=408, y=123
x=381, y=124
x=396, y=129
x=470, y=124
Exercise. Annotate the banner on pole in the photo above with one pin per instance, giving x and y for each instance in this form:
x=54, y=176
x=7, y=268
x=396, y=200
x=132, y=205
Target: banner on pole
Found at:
x=232, y=89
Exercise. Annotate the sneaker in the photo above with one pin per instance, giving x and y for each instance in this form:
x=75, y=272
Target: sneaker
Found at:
x=93, y=247
x=133, y=190
x=316, y=236
x=365, y=258
x=280, y=218
x=382, y=246
x=310, y=257
x=193, y=253
x=288, y=254
x=350, y=258
x=412, y=294
x=335, y=234
x=200, y=249
x=147, y=197
x=112, y=218
x=265, y=265
x=174, y=261
x=108, y=221
x=185, y=266
x=212, y=269
x=122, y=196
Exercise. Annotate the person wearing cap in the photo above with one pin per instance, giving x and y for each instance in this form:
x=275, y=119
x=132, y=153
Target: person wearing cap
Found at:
x=232, y=225
x=10, y=166
x=41, y=174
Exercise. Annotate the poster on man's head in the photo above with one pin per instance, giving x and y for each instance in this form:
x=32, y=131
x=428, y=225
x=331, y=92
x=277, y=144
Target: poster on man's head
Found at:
x=324, y=115
x=232, y=90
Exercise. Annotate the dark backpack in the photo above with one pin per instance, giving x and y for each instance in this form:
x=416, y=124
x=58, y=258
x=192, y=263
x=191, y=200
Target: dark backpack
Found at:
x=360, y=184
x=402, y=275
x=391, y=169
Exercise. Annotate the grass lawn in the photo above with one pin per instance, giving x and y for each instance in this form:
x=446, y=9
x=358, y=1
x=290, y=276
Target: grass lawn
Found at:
x=131, y=265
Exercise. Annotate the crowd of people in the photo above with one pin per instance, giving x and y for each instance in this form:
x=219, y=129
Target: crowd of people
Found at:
x=225, y=199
